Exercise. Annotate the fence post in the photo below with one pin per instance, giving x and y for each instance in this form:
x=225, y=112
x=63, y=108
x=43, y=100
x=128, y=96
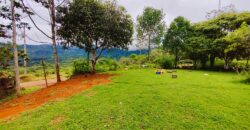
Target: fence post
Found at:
x=45, y=74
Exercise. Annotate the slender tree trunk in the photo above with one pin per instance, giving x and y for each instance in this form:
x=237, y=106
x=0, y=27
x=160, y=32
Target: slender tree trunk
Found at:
x=53, y=30
x=176, y=59
x=247, y=61
x=16, y=68
x=25, y=50
x=226, y=65
x=212, y=60
x=149, y=46
x=93, y=61
x=195, y=64
x=88, y=57
x=45, y=73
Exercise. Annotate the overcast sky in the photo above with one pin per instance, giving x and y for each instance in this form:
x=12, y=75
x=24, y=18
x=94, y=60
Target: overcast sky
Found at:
x=194, y=10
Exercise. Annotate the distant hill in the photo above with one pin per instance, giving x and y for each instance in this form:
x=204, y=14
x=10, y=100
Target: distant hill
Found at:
x=37, y=52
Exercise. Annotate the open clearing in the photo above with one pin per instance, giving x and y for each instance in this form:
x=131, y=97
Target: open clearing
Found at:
x=139, y=99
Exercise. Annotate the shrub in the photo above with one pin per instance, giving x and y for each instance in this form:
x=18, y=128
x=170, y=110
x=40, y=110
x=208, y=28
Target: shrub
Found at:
x=106, y=64
x=26, y=78
x=166, y=62
x=81, y=66
x=125, y=61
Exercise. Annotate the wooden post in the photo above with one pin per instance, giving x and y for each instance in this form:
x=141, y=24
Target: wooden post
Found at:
x=25, y=49
x=44, y=72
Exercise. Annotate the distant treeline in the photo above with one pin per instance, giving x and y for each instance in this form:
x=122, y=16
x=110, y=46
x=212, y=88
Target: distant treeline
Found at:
x=44, y=51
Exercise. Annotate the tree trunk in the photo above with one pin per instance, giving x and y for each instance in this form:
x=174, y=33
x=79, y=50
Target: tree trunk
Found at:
x=16, y=68
x=149, y=46
x=195, y=64
x=226, y=65
x=88, y=57
x=25, y=50
x=176, y=59
x=212, y=60
x=93, y=61
x=53, y=30
x=45, y=74
x=247, y=62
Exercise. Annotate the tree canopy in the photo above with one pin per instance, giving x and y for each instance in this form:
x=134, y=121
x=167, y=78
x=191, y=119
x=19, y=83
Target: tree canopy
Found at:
x=95, y=26
x=176, y=37
x=150, y=27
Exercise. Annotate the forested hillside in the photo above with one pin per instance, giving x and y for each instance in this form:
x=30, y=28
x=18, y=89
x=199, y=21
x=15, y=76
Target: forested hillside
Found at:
x=37, y=52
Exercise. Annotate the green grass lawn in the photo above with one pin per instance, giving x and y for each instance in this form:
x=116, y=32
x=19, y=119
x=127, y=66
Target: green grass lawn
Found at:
x=139, y=99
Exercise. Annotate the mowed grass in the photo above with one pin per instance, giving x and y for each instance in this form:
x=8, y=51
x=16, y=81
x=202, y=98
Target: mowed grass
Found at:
x=139, y=99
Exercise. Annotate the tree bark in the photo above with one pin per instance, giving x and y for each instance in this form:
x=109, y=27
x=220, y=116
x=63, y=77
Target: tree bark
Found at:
x=212, y=60
x=88, y=57
x=25, y=50
x=176, y=59
x=195, y=64
x=16, y=68
x=93, y=61
x=45, y=74
x=226, y=65
x=247, y=62
x=53, y=30
x=149, y=46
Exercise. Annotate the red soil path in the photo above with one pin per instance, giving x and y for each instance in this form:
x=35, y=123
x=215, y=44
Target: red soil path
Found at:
x=57, y=91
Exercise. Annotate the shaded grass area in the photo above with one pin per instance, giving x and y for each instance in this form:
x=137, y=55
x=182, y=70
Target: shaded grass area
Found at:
x=139, y=99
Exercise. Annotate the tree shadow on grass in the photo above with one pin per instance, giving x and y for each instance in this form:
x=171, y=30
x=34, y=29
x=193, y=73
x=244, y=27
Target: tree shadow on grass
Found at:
x=243, y=81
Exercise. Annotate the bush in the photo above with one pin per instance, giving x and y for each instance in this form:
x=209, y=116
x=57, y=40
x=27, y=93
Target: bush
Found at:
x=125, y=61
x=246, y=72
x=165, y=62
x=26, y=78
x=106, y=64
x=81, y=66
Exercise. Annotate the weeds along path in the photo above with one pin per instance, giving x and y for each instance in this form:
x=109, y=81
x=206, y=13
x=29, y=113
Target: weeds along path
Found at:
x=61, y=90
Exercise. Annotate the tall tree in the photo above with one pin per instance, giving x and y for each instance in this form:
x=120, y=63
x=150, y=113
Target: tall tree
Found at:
x=216, y=29
x=176, y=37
x=24, y=26
x=196, y=48
x=240, y=42
x=50, y=5
x=16, y=68
x=95, y=26
x=150, y=27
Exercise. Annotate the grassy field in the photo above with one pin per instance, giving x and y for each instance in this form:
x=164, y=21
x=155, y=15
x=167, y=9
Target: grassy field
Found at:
x=139, y=99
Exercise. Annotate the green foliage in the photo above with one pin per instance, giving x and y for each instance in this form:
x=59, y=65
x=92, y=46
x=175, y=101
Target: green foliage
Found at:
x=220, y=37
x=166, y=62
x=95, y=26
x=240, y=41
x=81, y=66
x=5, y=55
x=150, y=27
x=105, y=64
x=133, y=59
x=176, y=37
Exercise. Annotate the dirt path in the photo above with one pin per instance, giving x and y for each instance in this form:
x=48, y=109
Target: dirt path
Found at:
x=40, y=83
x=52, y=93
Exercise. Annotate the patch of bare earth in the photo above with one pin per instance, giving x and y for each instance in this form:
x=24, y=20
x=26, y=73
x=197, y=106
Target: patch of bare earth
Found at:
x=57, y=120
x=90, y=94
x=53, y=93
